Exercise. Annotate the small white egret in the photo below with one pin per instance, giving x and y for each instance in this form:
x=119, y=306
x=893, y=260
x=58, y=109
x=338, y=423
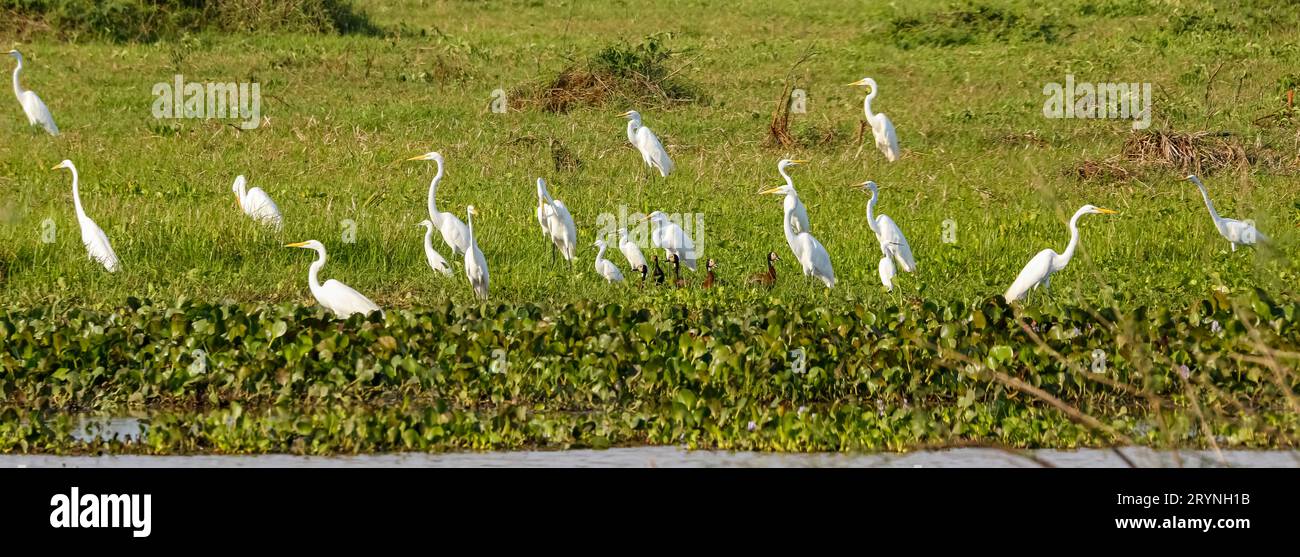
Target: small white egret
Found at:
x=800, y=212
x=670, y=237
x=630, y=250
x=881, y=126
x=37, y=113
x=475, y=266
x=812, y=256
x=892, y=243
x=333, y=295
x=605, y=267
x=436, y=261
x=645, y=141
x=454, y=232
x=557, y=222
x=1039, y=269
x=792, y=206
x=1235, y=231
x=92, y=236
x=256, y=203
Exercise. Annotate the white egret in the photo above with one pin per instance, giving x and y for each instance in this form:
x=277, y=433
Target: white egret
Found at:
x=333, y=295
x=812, y=256
x=605, y=267
x=892, y=243
x=670, y=237
x=881, y=126
x=1039, y=269
x=256, y=203
x=475, y=266
x=792, y=205
x=1235, y=231
x=436, y=261
x=557, y=223
x=630, y=250
x=645, y=141
x=800, y=212
x=37, y=113
x=454, y=232
x=92, y=236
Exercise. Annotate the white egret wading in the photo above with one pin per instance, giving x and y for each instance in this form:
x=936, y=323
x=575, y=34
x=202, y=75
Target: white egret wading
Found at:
x=1039, y=269
x=881, y=126
x=96, y=242
x=1233, y=230
x=256, y=203
x=475, y=266
x=812, y=256
x=37, y=113
x=893, y=245
x=454, y=232
x=333, y=295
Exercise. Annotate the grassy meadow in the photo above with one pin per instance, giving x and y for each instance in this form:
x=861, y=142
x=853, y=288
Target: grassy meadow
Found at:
x=962, y=81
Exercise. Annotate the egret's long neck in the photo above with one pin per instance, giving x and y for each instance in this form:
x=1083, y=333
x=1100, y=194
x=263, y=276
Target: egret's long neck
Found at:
x=18, y=89
x=1208, y=204
x=600, y=254
x=866, y=103
x=313, y=273
x=788, y=180
x=434, y=216
x=242, y=193
x=469, y=218
x=786, y=226
x=428, y=238
x=871, y=211
x=1065, y=257
x=632, y=124
x=76, y=194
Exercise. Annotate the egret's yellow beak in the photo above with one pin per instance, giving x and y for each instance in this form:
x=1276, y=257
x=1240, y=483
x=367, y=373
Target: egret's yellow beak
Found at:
x=625, y=114
x=424, y=157
x=57, y=167
x=296, y=245
x=772, y=190
x=800, y=161
x=858, y=82
x=1107, y=211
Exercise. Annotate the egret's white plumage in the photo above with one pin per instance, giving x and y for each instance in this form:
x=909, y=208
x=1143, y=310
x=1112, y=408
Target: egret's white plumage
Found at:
x=605, y=267
x=791, y=208
x=812, y=256
x=333, y=295
x=892, y=242
x=436, y=261
x=1233, y=230
x=92, y=236
x=557, y=222
x=887, y=270
x=454, y=232
x=37, y=113
x=630, y=250
x=670, y=237
x=256, y=203
x=645, y=141
x=475, y=266
x=1039, y=270
x=881, y=126
x=800, y=213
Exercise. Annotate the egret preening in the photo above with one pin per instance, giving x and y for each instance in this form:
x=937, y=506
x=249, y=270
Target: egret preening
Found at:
x=670, y=237
x=557, y=223
x=1039, y=269
x=1235, y=231
x=800, y=212
x=892, y=243
x=37, y=113
x=436, y=260
x=645, y=141
x=256, y=203
x=454, y=232
x=881, y=126
x=812, y=256
x=91, y=235
x=630, y=250
x=333, y=295
x=792, y=207
x=605, y=267
x=475, y=266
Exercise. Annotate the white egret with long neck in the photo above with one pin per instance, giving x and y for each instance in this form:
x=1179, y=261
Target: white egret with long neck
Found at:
x=1233, y=230
x=631, y=251
x=454, y=232
x=812, y=256
x=37, y=113
x=92, y=236
x=1039, y=270
x=436, y=261
x=256, y=203
x=800, y=213
x=881, y=126
x=893, y=244
x=670, y=237
x=605, y=267
x=335, y=296
x=475, y=266
x=791, y=206
x=557, y=223
x=645, y=141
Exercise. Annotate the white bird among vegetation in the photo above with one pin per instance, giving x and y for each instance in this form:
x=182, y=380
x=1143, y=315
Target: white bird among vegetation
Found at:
x=645, y=141
x=1235, y=231
x=800, y=212
x=92, y=236
x=811, y=255
x=37, y=113
x=454, y=232
x=892, y=243
x=256, y=203
x=436, y=261
x=881, y=126
x=475, y=266
x=1039, y=270
x=630, y=250
x=605, y=267
x=557, y=223
x=670, y=237
x=792, y=207
x=333, y=295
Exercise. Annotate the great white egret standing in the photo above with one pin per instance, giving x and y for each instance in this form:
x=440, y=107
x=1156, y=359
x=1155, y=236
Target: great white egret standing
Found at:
x=645, y=141
x=475, y=266
x=454, y=232
x=791, y=206
x=1235, y=231
x=1039, y=269
x=256, y=203
x=630, y=250
x=557, y=223
x=812, y=256
x=92, y=236
x=436, y=261
x=605, y=267
x=37, y=113
x=881, y=126
x=333, y=295
x=800, y=212
x=670, y=237
x=892, y=243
